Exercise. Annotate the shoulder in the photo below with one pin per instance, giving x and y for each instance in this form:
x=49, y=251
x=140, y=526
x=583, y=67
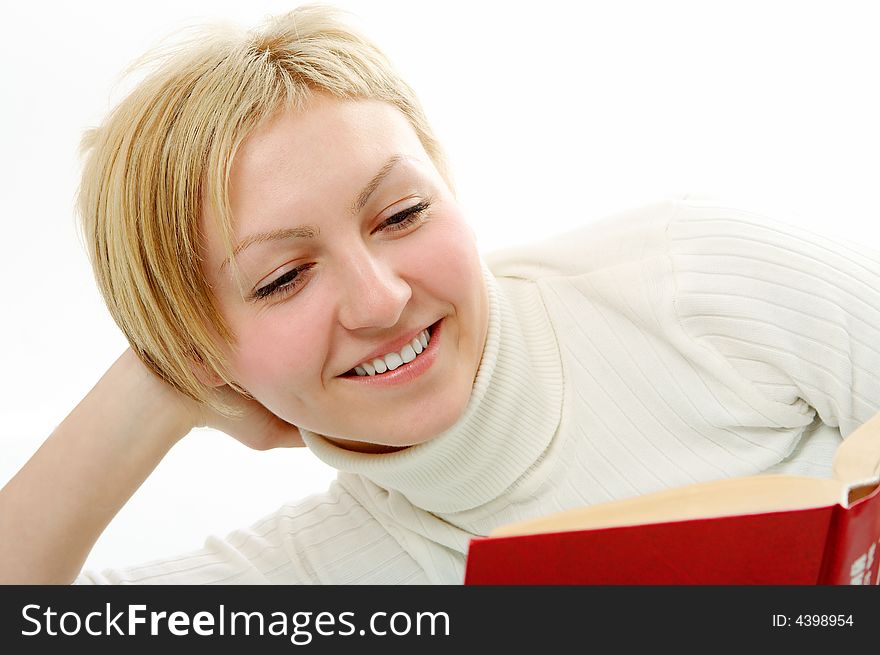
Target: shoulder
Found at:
x=742, y=221
x=694, y=224
x=637, y=233
x=747, y=241
x=599, y=243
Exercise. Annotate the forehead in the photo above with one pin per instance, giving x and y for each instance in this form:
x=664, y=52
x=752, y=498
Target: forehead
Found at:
x=328, y=140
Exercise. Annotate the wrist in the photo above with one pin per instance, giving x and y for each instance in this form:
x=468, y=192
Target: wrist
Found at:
x=149, y=401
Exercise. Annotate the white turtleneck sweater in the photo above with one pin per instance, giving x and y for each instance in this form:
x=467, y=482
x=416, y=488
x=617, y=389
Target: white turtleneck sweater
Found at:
x=682, y=341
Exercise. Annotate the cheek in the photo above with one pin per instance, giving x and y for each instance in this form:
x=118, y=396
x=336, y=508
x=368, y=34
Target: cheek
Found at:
x=279, y=350
x=451, y=262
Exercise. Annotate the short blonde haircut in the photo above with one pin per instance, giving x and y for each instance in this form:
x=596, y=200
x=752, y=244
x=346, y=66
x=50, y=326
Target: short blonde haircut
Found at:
x=168, y=147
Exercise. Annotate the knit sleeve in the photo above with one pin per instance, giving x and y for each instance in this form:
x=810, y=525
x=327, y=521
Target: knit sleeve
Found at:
x=324, y=539
x=795, y=313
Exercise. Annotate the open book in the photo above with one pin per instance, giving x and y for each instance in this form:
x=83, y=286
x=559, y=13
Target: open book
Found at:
x=761, y=529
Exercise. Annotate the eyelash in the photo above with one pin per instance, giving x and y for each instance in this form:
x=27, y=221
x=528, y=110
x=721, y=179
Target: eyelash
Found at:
x=284, y=284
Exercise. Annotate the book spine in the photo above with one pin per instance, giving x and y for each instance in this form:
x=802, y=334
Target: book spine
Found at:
x=852, y=551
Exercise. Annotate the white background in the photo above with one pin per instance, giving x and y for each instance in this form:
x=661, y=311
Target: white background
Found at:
x=553, y=114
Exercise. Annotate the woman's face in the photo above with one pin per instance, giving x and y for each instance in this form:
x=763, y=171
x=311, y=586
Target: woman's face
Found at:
x=349, y=244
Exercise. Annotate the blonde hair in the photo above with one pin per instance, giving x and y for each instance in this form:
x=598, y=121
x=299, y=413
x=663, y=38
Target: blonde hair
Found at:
x=168, y=147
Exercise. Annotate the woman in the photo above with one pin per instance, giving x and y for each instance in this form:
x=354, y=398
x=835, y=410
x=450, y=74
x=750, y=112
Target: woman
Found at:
x=272, y=226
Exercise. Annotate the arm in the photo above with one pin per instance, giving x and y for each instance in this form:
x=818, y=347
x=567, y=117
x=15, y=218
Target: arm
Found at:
x=55, y=508
x=325, y=538
x=794, y=312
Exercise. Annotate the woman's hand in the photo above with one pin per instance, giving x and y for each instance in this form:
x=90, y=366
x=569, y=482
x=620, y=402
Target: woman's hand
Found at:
x=258, y=428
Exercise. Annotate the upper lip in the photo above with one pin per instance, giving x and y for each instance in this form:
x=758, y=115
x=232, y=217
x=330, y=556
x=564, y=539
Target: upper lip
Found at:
x=394, y=346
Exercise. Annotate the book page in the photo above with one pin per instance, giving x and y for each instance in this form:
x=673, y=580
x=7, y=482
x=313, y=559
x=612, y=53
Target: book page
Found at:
x=857, y=459
x=745, y=495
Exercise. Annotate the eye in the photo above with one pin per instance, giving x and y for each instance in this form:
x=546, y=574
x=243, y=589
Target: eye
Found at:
x=409, y=216
x=283, y=284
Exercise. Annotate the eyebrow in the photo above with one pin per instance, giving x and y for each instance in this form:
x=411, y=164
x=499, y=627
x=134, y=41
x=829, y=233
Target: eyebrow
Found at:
x=310, y=231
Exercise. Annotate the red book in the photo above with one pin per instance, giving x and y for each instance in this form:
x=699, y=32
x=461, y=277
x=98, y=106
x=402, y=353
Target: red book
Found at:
x=763, y=529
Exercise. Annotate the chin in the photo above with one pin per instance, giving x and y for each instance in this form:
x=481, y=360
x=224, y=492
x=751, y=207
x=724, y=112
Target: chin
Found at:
x=421, y=430
x=425, y=430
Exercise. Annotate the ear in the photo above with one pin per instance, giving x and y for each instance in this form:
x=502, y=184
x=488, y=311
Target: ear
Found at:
x=205, y=375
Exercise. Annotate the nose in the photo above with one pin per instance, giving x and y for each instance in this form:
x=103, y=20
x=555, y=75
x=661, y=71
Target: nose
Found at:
x=372, y=292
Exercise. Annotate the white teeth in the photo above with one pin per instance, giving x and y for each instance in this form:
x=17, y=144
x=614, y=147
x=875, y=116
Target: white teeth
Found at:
x=392, y=361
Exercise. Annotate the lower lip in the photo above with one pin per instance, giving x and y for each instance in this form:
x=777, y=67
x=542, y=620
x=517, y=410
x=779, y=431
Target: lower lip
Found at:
x=405, y=372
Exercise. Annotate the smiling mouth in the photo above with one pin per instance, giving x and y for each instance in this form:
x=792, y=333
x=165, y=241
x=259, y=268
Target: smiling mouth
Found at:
x=353, y=374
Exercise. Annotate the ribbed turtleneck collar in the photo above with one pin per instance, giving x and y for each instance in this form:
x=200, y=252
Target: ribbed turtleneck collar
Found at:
x=510, y=419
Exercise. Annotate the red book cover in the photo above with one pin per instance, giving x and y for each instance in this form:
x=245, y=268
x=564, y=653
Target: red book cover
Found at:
x=800, y=530
x=825, y=545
